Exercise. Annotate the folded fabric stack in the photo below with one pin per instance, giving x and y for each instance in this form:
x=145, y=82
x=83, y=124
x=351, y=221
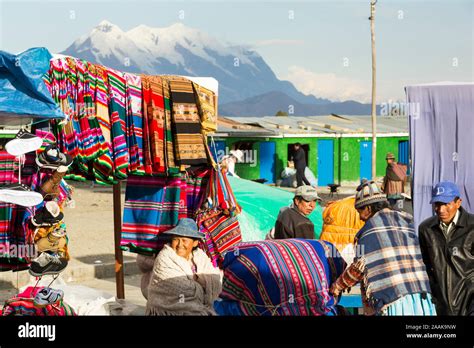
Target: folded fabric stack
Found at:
x=121, y=124
x=280, y=277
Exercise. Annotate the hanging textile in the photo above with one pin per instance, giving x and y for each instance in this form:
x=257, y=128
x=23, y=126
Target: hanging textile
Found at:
x=189, y=140
x=15, y=233
x=154, y=107
x=134, y=122
x=117, y=107
x=152, y=206
x=169, y=143
x=218, y=220
x=207, y=108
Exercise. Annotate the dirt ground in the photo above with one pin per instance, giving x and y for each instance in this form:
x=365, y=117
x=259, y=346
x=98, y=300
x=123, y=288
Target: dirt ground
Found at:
x=90, y=224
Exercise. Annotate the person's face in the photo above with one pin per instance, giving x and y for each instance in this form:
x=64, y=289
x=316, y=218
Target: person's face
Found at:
x=364, y=213
x=446, y=211
x=305, y=207
x=296, y=147
x=183, y=246
x=390, y=161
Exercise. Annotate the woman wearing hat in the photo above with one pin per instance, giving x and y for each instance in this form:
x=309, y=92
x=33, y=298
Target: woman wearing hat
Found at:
x=183, y=281
x=228, y=162
x=388, y=261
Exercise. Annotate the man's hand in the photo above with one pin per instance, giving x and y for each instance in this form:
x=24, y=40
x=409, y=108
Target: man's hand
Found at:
x=333, y=290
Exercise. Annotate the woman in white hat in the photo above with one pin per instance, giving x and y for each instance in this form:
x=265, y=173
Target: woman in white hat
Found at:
x=228, y=161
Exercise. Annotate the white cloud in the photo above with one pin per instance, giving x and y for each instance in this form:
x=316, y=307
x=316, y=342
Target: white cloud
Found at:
x=278, y=42
x=329, y=86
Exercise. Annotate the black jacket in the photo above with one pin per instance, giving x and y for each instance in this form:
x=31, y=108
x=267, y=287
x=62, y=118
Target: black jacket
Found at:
x=299, y=159
x=449, y=262
x=292, y=224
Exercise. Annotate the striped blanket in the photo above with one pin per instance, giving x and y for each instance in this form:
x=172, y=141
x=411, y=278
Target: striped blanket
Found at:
x=154, y=108
x=394, y=265
x=15, y=232
x=280, y=277
x=154, y=205
x=189, y=141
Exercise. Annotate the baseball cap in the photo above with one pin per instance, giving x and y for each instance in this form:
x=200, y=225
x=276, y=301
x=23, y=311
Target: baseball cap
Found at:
x=308, y=193
x=444, y=192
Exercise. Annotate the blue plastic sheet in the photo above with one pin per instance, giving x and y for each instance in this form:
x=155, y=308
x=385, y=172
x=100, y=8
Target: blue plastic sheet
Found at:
x=23, y=94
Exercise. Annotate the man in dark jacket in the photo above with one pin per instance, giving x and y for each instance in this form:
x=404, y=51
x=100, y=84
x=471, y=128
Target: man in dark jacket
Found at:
x=299, y=159
x=447, y=246
x=293, y=222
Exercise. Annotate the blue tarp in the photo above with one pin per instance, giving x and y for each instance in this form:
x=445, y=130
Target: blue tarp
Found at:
x=442, y=144
x=23, y=94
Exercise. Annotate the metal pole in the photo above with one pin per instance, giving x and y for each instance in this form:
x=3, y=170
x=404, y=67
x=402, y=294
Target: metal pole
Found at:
x=374, y=104
x=119, y=277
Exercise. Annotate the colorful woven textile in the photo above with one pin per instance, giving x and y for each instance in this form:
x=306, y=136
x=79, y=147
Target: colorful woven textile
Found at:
x=284, y=277
x=22, y=304
x=394, y=265
x=117, y=90
x=154, y=108
x=196, y=189
x=169, y=143
x=152, y=206
x=207, y=108
x=134, y=122
x=189, y=140
x=15, y=233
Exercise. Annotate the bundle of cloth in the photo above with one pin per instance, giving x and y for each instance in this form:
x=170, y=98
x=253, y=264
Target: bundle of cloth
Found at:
x=288, y=176
x=341, y=222
x=288, y=277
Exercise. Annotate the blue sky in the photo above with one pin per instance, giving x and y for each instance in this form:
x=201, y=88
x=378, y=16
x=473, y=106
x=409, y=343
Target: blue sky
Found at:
x=323, y=47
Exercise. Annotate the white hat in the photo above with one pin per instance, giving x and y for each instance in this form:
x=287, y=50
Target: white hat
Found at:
x=237, y=154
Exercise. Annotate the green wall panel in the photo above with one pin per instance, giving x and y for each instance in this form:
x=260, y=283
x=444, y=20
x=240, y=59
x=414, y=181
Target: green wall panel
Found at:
x=346, y=156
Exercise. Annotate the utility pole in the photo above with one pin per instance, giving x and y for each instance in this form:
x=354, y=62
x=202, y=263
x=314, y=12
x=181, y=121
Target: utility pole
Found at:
x=374, y=104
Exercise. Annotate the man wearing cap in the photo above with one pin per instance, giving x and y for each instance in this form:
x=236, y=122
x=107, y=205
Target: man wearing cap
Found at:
x=388, y=261
x=447, y=244
x=293, y=221
x=183, y=280
x=394, y=181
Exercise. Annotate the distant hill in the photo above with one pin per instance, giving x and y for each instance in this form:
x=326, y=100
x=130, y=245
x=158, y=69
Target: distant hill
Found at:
x=268, y=104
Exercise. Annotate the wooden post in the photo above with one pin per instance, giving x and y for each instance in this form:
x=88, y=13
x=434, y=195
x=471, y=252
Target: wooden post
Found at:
x=374, y=103
x=119, y=277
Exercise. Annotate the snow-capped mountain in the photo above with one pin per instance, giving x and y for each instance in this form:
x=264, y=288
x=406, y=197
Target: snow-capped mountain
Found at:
x=178, y=49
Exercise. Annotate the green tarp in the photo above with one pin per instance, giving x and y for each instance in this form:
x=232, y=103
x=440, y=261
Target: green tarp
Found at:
x=260, y=206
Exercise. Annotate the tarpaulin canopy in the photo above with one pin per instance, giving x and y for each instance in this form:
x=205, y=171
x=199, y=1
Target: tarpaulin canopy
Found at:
x=441, y=123
x=23, y=94
x=260, y=207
